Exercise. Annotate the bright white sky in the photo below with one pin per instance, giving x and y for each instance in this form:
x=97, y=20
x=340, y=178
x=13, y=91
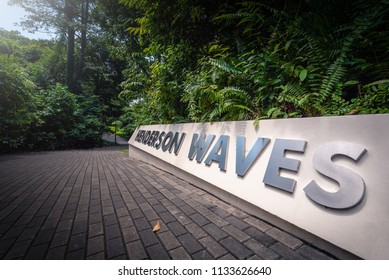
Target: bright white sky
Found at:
x=9, y=15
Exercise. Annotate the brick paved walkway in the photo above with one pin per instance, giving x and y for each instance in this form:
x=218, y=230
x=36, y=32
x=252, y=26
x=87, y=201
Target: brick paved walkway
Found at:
x=101, y=204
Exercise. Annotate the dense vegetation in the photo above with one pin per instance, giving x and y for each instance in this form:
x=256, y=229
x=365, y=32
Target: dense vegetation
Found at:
x=132, y=62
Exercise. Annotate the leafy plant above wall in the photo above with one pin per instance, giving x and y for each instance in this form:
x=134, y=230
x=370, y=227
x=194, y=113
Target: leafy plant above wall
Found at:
x=316, y=60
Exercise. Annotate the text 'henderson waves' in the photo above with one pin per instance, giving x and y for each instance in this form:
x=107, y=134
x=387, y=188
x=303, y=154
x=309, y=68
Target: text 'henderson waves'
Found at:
x=351, y=185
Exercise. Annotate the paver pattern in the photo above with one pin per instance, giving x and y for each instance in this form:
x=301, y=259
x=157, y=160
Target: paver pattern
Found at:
x=102, y=204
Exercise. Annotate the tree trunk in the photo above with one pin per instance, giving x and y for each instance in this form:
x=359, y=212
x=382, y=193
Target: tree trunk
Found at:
x=84, y=28
x=70, y=17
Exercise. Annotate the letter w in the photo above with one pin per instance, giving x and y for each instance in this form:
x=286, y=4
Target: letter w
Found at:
x=200, y=147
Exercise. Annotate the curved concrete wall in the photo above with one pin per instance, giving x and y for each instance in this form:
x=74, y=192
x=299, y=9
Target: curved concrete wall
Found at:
x=325, y=175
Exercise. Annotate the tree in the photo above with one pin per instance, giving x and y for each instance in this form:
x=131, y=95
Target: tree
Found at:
x=16, y=105
x=67, y=18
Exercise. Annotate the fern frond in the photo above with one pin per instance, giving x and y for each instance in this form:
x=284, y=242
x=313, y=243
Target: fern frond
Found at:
x=225, y=66
x=233, y=92
x=230, y=18
x=333, y=77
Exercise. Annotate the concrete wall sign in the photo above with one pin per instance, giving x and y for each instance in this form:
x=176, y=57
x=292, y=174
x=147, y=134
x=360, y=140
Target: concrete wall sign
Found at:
x=325, y=175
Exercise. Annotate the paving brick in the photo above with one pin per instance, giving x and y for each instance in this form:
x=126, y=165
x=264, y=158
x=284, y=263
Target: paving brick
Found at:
x=173, y=209
x=119, y=204
x=262, y=226
x=122, y=212
x=60, y=239
x=285, y=238
x=95, y=245
x=121, y=257
x=28, y=233
x=159, y=208
x=227, y=257
x=167, y=217
x=220, y=212
x=190, y=243
x=110, y=219
x=177, y=228
x=130, y=234
x=148, y=237
x=68, y=215
x=136, y=213
x=236, y=248
x=136, y=251
x=153, y=201
x=199, y=219
x=237, y=222
x=57, y=253
x=179, y=254
x=109, y=211
x=188, y=210
x=254, y=258
x=77, y=242
x=64, y=225
x=213, y=247
x=44, y=236
x=312, y=254
x=36, y=221
x=115, y=247
x=238, y=213
x=215, y=232
x=260, y=250
x=285, y=252
x=260, y=236
x=195, y=230
x=169, y=240
x=96, y=229
x=100, y=204
x=178, y=202
x=95, y=218
x=157, y=252
x=18, y=250
x=220, y=222
x=151, y=215
x=76, y=255
x=202, y=255
x=5, y=245
x=37, y=252
x=145, y=206
x=125, y=222
x=98, y=256
x=80, y=227
x=142, y=224
x=15, y=231
x=112, y=231
x=140, y=200
x=236, y=233
x=183, y=219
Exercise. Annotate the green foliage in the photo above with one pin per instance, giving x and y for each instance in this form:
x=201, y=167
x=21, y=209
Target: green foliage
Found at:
x=16, y=105
x=171, y=61
x=293, y=61
x=34, y=113
x=65, y=121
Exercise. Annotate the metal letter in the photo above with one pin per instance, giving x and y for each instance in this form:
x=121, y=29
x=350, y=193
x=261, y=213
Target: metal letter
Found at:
x=151, y=139
x=177, y=143
x=222, y=146
x=244, y=163
x=155, y=137
x=198, y=147
x=278, y=161
x=159, y=143
x=146, y=137
x=351, y=185
x=169, y=137
x=139, y=136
